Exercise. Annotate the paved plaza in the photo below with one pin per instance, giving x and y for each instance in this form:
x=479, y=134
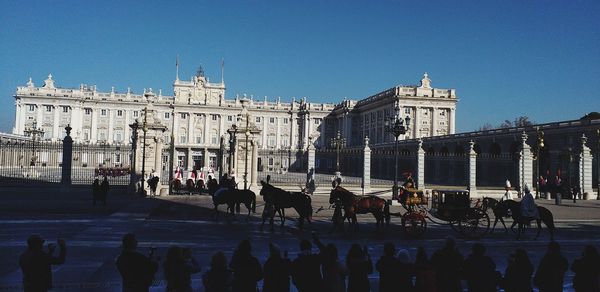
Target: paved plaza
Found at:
x=93, y=234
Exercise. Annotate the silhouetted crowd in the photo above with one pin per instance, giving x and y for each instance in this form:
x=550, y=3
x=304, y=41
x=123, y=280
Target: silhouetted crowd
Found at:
x=324, y=271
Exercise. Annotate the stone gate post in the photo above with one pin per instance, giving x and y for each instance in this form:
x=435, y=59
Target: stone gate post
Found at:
x=67, y=158
x=311, y=157
x=472, y=171
x=526, y=164
x=366, y=167
x=420, y=175
x=585, y=170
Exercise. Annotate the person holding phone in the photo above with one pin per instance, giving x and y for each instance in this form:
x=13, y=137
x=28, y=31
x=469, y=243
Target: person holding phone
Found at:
x=36, y=263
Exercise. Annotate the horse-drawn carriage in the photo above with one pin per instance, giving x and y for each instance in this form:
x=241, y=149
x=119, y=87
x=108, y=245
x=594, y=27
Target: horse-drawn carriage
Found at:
x=452, y=207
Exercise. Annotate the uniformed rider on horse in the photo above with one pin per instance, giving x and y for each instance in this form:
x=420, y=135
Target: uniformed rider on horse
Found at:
x=529, y=209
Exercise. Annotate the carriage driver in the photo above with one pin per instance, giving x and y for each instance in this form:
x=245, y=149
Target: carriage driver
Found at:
x=528, y=207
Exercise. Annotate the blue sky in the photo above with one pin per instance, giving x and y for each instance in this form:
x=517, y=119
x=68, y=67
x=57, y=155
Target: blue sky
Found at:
x=505, y=58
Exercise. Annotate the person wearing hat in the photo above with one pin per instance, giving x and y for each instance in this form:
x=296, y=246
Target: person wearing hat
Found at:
x=36, y=263
x=528, y=206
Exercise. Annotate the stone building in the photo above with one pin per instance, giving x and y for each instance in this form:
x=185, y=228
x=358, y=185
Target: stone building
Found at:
x=200, y=116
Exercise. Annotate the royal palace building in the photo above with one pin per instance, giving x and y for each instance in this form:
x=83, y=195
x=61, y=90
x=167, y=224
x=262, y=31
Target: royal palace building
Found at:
x=199, y=115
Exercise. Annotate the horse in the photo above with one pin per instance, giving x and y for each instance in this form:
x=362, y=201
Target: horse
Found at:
x=353, y=204
x=278, y=200
x=231, y=197
x=190, y=185
x=501, y=208
x=177, y=185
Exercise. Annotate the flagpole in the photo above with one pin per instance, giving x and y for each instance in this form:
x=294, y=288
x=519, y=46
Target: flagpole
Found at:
x=177, y=68
x=222, y=70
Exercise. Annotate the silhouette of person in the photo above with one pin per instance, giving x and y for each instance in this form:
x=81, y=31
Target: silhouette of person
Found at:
x=277, y=271
x=480, y=270
x=95, y=191
x=179, y=267
x=360, y=267
x=104, y=190
x=219, y=278
x=246, y=268
x=388, y=267
x=137, y=270
x=447, y=263
x=517, y=277
x=425, y=280
x=334, y=272
x=551, y=271
x=36, y=263
x=306, y=269
x=587, y=271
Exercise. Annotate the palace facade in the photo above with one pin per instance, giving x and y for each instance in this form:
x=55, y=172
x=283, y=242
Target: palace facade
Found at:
x=200, y=116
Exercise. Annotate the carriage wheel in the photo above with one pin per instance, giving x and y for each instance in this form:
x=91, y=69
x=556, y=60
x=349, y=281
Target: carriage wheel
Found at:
x=414, y=224
x=475, y=224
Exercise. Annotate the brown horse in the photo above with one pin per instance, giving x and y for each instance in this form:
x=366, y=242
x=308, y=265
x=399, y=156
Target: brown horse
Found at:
x=353, y=204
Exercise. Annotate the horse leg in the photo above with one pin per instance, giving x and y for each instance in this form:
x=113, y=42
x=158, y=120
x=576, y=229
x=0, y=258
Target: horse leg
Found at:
x=282, y=214
x=249, y=207
x=355, y=222
x=539, y=227
x=216, y=213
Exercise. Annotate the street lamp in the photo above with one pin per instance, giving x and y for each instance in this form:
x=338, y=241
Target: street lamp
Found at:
x=570, y=189
x=397, y=126
x=247, y=133
x=539, y=146
x=145, y=130
x=33, y=131
x=171, y=167
x=338, y=143
x=232, y=142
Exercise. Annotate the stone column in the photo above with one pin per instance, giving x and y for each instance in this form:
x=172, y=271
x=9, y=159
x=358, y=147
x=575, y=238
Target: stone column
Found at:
x=17, y=129
x=39, y=115
x=585, y=169
x=111, y=125
x=366, y=167
x=417, y=123
x=526, y=164
x=189, y=159
x=420, y=175
x=254, y=170
x=264, y=133
x=158, y=157
x=451, y=121
x=278, y=134
x=190, y=129
x=94, y=128
x=126, y=127
x=472, y=170
x=206, y=159
x=207, y=131
x=311, y=157
x=55, y=129
x=67, y=158
x=434, y=121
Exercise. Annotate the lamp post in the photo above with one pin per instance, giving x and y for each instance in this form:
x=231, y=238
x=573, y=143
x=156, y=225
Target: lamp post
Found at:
x=232, y=142
x=171, y=167
x=338, y=143
x=247, y=133
x=33, y=131
x=145, y=130
x=397, y=126
x=570, y=189
x=539, y=146
x=134, y=138
x=104, y=144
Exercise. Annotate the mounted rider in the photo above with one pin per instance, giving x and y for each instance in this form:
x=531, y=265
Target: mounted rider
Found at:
x=508, y=194
x=528, y=207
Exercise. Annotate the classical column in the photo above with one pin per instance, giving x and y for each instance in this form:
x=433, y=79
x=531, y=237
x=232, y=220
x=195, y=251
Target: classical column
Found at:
x=18, y=126
x=278, y=133
x=526, y=164
x=175, y=132
x=254, y=170
x=420, y=175
x=55, y=122
x=39, y=115
x=311, y=157
x=207, y=132
x=190, y=129
x=292, y=132
x=451, y=121
x=264, y=133
x=434, y=126
x=94, y=128
x=417, y=124
x=206, y=159
x=158, y=157
x=111, y=125
x=366, y=167
x=189, y=159
x=472, y=170
x=585, y=170
x=126, y=127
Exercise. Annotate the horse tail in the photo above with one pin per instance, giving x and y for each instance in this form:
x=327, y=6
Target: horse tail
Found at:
x=546, y=217
x=386, y=212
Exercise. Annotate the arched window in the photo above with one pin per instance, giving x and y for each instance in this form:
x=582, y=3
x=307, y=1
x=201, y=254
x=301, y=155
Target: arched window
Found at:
x=199, y=137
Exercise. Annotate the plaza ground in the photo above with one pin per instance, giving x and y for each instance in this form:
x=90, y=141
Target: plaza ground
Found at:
x=93, y=234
